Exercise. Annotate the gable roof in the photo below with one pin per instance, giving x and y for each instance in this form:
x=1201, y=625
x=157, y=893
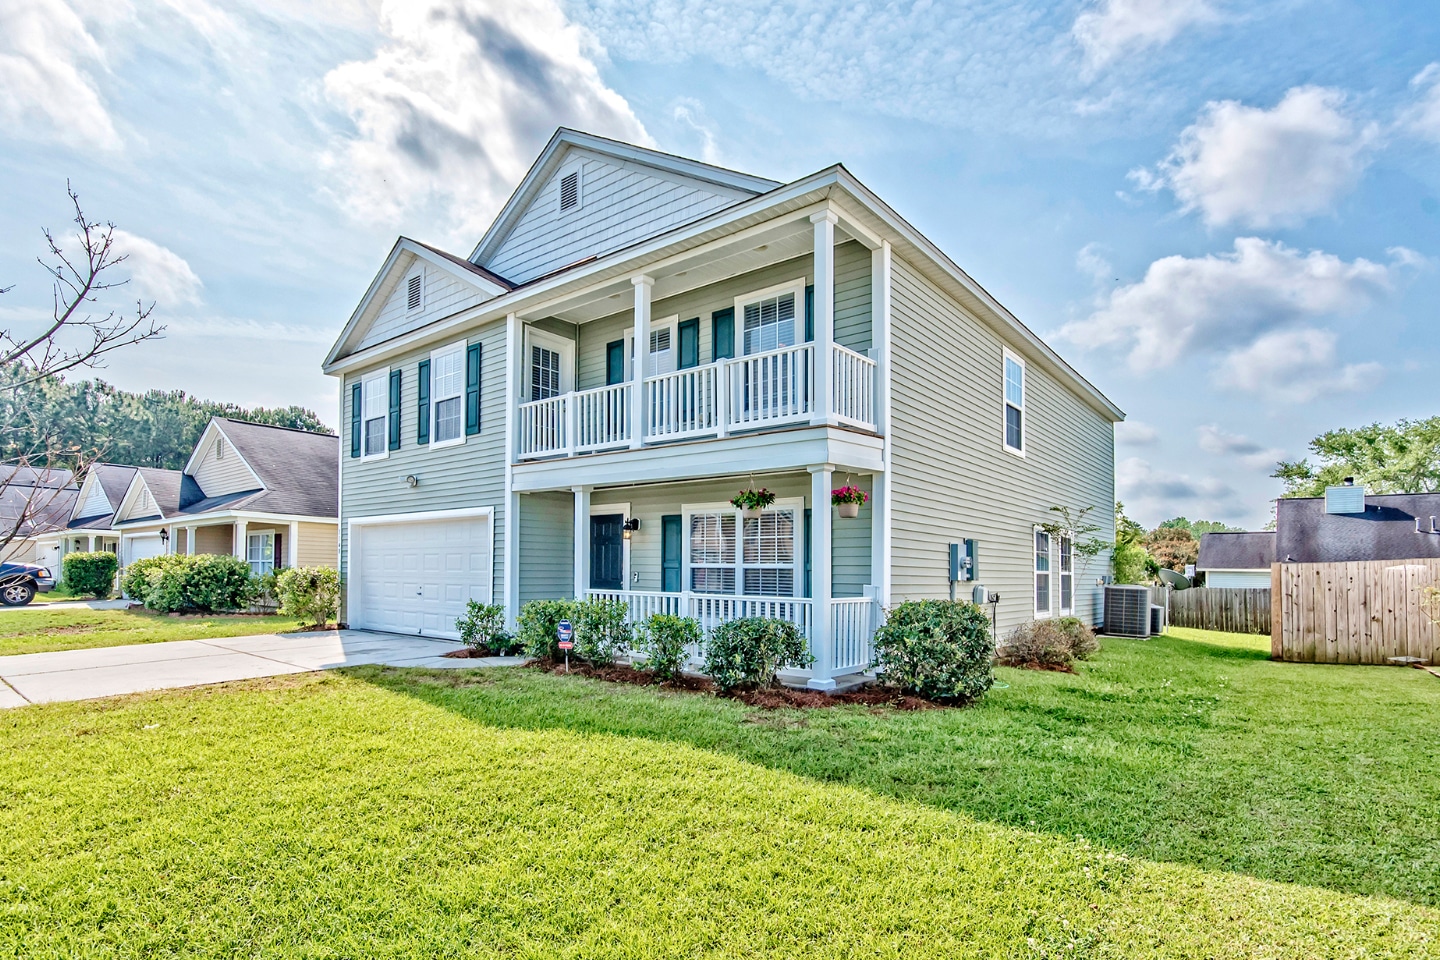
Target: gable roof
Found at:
x=1236, y=551
x=488, y=284
x=300, y=470
x=1305, y=533
x=564, y=140
x=35, y=501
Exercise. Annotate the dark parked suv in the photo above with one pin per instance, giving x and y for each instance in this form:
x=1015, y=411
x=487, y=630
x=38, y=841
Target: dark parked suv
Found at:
x=19, y=582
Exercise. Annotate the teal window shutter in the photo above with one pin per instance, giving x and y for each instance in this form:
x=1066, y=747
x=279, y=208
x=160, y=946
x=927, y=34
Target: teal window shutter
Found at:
x=615, y=362
x=394, y=409
x=722, y=333
x=422, y=405
x=356, y=414
x=689, y=331
x=808, y=561
x=472, y=389
x=670, y=546
x=809, y=313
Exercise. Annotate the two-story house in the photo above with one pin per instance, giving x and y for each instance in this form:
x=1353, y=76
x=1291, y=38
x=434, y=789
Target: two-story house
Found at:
x=505, y=440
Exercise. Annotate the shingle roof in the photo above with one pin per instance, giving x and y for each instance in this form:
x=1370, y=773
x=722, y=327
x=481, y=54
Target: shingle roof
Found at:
x=1305, y=533
x=461, y=262
x=1236, y=551
x=300, y=470
x=43, y=498
x=171, y=489
x=114, y=480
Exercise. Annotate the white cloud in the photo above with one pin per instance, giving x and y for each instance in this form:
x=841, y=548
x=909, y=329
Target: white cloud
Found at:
x=1294, y=366
x=156, y=273
x=1214, y=440
x=1158, y=494
x=1265, y=168
x=691, y=113
x=454, y=106
x=1113, y=27
x=50, y=70
x=1219, y=302
x=1092, y=262
x=1422, y=118
x=1136, y=433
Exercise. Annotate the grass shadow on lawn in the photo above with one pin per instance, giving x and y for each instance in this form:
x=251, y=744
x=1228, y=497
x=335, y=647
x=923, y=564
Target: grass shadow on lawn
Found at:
x=1199, y=753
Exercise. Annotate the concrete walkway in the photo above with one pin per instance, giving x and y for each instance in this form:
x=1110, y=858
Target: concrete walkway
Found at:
x=72, y=605
x=111, y=671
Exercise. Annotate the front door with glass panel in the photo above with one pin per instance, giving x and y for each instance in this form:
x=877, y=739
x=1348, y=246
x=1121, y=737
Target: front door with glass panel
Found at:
x=550, y=360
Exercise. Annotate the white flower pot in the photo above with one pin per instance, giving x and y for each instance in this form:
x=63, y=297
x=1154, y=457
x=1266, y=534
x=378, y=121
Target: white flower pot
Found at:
x=849, y=510
x=751, y=513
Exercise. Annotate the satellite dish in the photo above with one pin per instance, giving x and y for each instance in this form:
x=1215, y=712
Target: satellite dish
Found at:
x=1173, y=579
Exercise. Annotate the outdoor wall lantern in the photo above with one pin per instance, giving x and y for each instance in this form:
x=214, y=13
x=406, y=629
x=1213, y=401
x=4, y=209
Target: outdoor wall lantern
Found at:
x=630, y=526
x=164, y=536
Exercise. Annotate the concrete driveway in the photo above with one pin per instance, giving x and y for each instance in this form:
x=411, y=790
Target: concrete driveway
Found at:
x=110, y=671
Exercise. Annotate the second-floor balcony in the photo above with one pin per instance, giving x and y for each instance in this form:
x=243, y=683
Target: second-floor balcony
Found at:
x=756, y=392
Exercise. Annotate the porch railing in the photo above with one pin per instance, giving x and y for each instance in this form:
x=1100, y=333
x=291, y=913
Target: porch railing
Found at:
x=853, y=619
x=754, y=392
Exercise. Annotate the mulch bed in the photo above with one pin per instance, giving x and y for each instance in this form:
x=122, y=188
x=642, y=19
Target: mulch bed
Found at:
x=768, y=698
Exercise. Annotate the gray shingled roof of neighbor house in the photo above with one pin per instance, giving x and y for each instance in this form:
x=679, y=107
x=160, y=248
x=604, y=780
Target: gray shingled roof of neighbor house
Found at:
x=43, y=497
x=300, y=470
x=1236, y=551
x=1305, y=533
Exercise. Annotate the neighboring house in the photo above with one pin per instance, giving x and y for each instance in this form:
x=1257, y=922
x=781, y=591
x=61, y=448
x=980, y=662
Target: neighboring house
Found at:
x=1237, y=559
x=1346, y=525
x=265, y=494
x=89, y=526
x=505, y=440
x=33, y=504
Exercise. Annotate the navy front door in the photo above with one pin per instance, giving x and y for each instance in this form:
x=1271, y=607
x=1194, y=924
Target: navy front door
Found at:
x=607, y=552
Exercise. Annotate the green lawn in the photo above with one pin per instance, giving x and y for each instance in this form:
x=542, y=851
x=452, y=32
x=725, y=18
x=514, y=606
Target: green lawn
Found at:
x=1178, y=797
x=39, y=630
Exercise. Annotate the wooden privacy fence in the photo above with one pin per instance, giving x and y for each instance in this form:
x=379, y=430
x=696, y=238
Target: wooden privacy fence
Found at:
x=1362, y=612
x=1233, y=609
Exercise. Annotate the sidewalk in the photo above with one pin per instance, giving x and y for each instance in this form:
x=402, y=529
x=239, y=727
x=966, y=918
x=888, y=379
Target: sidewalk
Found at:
x=111, y=671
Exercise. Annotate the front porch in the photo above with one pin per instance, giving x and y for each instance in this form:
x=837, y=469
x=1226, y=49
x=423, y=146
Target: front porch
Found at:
x=681, y=548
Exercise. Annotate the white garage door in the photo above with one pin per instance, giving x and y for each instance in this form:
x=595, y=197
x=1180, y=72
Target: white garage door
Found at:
x=416, y=577
x=138, y=548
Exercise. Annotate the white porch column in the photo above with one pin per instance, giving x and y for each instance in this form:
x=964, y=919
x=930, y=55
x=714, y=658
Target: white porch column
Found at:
x=292, y=545
x=822, y=643
x=643, y=287
x=510, y=564
x=240, y=544
x=824, y=312
x=582, y=541
x=91, y=546
x=172, y=543
x=880, y=530
x=190, y=541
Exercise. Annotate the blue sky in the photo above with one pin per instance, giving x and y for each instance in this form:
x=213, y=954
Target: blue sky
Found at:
x=1226, y=215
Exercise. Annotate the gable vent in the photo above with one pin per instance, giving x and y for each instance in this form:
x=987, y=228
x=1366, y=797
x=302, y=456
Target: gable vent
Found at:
x=414, y=293
x=570, y=191
x=219, y=448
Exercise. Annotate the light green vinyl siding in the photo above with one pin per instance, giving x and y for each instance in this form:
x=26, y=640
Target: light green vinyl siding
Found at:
x=471, y=474
x=951, y=477
x=852, y=296
x=547, y=546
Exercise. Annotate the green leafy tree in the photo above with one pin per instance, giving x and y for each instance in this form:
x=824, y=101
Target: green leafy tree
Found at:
x=1130, y=561
x=1403, y=457
x=1200, y=527
x=1173, y=548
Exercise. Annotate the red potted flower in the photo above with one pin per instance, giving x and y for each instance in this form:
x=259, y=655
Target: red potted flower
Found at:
x=849, y=499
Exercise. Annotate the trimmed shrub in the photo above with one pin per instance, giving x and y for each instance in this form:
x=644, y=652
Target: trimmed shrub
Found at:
x=537, y=621
x=665, y=640
x=602, y=629
x=937, y=649
x=1048, y=643
x=483, y=629
x=309, y=594
x=744, y=654
x=136, y=582
x=90, y=573
x=203, y=583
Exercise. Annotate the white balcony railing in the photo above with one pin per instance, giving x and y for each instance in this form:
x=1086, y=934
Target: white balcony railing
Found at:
x=754, y=392
x=852, y=619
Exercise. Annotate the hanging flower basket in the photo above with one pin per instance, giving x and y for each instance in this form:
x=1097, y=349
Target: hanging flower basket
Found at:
x=753, y=501
x=849, y=500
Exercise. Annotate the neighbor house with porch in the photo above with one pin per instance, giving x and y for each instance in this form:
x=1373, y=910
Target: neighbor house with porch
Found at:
x=268, y=495
x=638, y=337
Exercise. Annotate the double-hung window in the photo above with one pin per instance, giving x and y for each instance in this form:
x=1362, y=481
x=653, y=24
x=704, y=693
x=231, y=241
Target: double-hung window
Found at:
x=1042, y=573
x=260, y=552
x=1014, y=404
x=769, y=323
x=1067, y=575
x=447, y=392
x=752, y=556
x=374, y=402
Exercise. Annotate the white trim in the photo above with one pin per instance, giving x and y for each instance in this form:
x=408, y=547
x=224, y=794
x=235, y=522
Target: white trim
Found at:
x=263, y=535
x=551, y=341
x=221, y=517
x=796, y=287
x=1035, y=573
x=1061, y=574
x=197, y=456
x=381, y=375
x=881, y=511
x=604, y=509
x=1005, y=404
x=356, y=524
x=514, y=355
x=459, y=346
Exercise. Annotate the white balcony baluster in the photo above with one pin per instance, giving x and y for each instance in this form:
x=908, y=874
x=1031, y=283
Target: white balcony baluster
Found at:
x=683, y=404
x=603, y=418
x=772, y=387
x=853, y=623
x=852, y=380
x=542, y=427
